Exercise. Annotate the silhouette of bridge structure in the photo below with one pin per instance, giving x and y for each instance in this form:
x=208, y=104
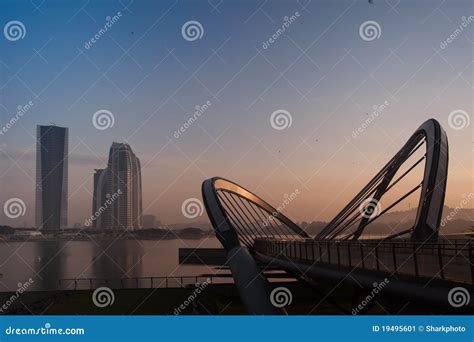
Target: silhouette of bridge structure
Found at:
x=415, y=263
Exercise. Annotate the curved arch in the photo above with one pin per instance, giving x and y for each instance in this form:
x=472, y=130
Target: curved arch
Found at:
x=239, y=216
x=236, y=213
x=433, y=187
x=430, y=207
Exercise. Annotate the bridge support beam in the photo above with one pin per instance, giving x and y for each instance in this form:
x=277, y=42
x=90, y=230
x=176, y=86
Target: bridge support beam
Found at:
x=436, y=295
x=253, y=288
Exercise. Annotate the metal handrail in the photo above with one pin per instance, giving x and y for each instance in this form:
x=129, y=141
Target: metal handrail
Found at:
x=154, y=282
x=431, y=247
x=446, y=260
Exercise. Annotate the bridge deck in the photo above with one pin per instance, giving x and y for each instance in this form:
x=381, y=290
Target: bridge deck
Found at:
x=449, y=260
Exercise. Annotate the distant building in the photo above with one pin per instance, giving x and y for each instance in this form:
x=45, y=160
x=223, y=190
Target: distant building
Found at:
x=117, y=198
x=51, y=177
x=149, y=221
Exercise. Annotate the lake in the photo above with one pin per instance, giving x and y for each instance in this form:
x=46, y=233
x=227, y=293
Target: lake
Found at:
x=48, y=261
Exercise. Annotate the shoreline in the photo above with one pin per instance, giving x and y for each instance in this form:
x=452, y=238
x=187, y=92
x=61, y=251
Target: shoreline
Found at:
x=99, y=237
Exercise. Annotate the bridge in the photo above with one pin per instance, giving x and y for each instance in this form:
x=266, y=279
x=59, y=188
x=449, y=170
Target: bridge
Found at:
x=414, y=263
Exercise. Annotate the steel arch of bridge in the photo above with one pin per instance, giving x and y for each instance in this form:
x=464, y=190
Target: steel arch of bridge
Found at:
x=239, y=216
x=433, y=187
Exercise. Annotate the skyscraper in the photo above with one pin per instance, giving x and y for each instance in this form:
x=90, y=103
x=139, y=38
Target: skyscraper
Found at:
x=51, y=177
x=117, y=201
x=99, y=198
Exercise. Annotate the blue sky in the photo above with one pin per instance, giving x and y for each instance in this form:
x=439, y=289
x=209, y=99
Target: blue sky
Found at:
x=319, y=70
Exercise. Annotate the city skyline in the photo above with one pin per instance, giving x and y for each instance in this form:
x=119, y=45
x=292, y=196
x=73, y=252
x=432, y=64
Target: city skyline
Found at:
x=194, y=109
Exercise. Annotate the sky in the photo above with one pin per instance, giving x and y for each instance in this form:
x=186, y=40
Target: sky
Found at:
x=322, y=72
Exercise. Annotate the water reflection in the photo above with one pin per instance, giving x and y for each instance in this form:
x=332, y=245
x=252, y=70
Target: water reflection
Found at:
x=49, y=263
x=46, y=262
x=116, y=260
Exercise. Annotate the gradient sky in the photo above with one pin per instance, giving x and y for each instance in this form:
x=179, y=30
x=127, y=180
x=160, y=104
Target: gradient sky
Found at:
x=150, y=78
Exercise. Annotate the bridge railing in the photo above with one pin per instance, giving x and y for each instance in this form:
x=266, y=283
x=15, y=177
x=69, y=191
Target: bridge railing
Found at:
x=446, y=260
x=136, y=282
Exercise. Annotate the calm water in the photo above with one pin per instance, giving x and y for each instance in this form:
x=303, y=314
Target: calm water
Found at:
x=46, y=262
